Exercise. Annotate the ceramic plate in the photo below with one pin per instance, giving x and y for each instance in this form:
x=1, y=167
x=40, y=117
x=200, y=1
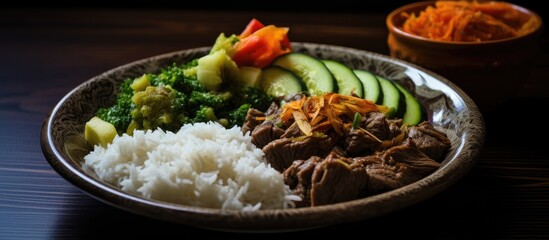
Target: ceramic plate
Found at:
x=448, y=108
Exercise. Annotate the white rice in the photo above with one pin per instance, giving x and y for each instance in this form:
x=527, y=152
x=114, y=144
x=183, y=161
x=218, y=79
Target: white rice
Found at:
x=202, y=165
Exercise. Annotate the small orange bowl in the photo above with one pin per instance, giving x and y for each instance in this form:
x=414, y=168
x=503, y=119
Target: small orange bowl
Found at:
x=488, y=71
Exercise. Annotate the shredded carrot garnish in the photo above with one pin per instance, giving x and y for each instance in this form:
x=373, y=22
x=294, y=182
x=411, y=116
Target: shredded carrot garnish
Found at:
x=302, y=123
x=329, y=111
x=463, y=21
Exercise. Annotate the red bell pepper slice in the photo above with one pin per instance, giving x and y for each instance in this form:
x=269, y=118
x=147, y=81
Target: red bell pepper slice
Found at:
x=252, y=27
x=261, y=47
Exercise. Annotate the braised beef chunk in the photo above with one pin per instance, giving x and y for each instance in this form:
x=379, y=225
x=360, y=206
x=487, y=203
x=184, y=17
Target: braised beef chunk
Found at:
x=266, y=133
x=376, y=134
x=412, y=158
x=394, y=129
x=368, y=160
x=377, y=125
x=336, y=180
x=389, y=143
x=339, y=178
x=293, y=97
x=251, y=122
x=336, y=153
x=298, y=178
x=382, y=177
x=429, y=140
x=360, y=143
x=291, y=132
x=272, y=109
x=396, y=122
x=345, y=163
x=399, y=166
x=280, y=153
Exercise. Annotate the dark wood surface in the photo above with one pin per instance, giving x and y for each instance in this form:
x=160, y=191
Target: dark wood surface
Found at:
x=46, y=53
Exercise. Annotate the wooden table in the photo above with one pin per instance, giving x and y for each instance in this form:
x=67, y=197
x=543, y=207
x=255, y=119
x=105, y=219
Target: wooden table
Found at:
x=46, y=53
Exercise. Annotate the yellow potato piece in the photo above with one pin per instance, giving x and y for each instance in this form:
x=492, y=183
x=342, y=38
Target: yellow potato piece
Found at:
x=249, y=76
x=100, y=132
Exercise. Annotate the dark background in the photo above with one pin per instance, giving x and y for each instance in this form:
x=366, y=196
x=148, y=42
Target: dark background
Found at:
x=48, y=48
x=366, y=6
x=336, y=6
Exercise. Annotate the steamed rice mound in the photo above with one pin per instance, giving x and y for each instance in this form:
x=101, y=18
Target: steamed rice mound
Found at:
x=202, y=165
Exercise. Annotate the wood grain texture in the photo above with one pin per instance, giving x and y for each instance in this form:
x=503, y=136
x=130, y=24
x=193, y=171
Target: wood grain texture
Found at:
x=46, y=53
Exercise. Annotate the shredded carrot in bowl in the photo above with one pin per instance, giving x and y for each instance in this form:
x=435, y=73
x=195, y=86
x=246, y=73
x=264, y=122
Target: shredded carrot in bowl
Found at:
x=462, y=21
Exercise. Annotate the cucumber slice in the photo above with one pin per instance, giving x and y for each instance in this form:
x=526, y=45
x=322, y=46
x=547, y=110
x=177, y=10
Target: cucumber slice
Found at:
x=347, y=82
x=391, y=96
x=370, y=83
x=414, y=112
x=278, y=82
x=314, y=74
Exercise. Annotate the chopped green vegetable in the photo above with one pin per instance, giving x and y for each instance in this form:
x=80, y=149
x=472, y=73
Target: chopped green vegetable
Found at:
x=356, y=120
x=237, y=116
x=181, y=78
x=205, y=114
x=174, y=97
x=209, y=88
x=119, y=114
x=257, y=98
x=208, y=99
x=154, y=108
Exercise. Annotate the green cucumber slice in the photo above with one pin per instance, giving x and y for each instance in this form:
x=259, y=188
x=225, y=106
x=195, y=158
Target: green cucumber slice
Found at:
x=347, y=82
x=414, y=112
x=391, y=96
x=372, y=90
x=278, y=82
x=314, y=74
